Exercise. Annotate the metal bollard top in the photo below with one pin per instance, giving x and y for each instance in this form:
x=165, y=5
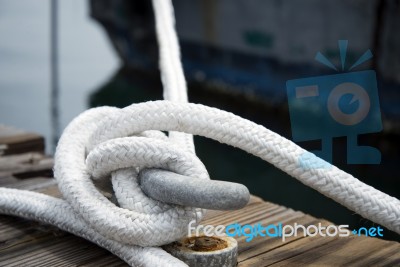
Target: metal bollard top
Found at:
x=177, y=189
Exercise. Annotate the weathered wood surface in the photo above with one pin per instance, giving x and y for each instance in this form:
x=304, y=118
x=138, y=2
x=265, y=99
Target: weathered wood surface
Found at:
x=27, y=243
x=14, y=141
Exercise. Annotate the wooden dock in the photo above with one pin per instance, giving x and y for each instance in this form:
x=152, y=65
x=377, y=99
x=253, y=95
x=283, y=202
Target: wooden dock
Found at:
x=23, y=165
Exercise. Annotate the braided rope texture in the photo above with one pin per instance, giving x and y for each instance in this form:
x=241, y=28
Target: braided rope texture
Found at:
x=119, y=142
x=172, y=76
x=259, y=141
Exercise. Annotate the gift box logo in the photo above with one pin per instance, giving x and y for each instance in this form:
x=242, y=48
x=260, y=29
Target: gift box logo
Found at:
x=343, y=104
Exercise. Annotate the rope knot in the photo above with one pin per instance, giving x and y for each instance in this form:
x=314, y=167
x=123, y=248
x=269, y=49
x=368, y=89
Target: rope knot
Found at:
x=85, y=162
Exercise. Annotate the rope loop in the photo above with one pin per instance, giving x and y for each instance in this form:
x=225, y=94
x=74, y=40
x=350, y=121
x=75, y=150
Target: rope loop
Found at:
x=138, y=220
x=104, y=141
x=121, y=142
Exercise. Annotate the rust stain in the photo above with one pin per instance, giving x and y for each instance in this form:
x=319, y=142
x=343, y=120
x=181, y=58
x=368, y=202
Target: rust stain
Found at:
x=203, y=243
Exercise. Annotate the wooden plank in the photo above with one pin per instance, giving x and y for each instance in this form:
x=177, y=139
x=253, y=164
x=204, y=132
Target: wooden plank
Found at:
x=26, y=165
x=23, y=242
x=14, y=141
x=354, y=251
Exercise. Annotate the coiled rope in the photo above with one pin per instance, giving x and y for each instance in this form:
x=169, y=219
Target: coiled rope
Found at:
x=120, y=142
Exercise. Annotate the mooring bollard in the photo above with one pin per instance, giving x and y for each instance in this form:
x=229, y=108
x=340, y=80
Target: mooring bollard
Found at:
x=211, y=251
x=173, y=188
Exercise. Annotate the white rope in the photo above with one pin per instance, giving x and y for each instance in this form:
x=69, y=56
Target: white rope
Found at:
x=119, y=142
x=172, y=76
